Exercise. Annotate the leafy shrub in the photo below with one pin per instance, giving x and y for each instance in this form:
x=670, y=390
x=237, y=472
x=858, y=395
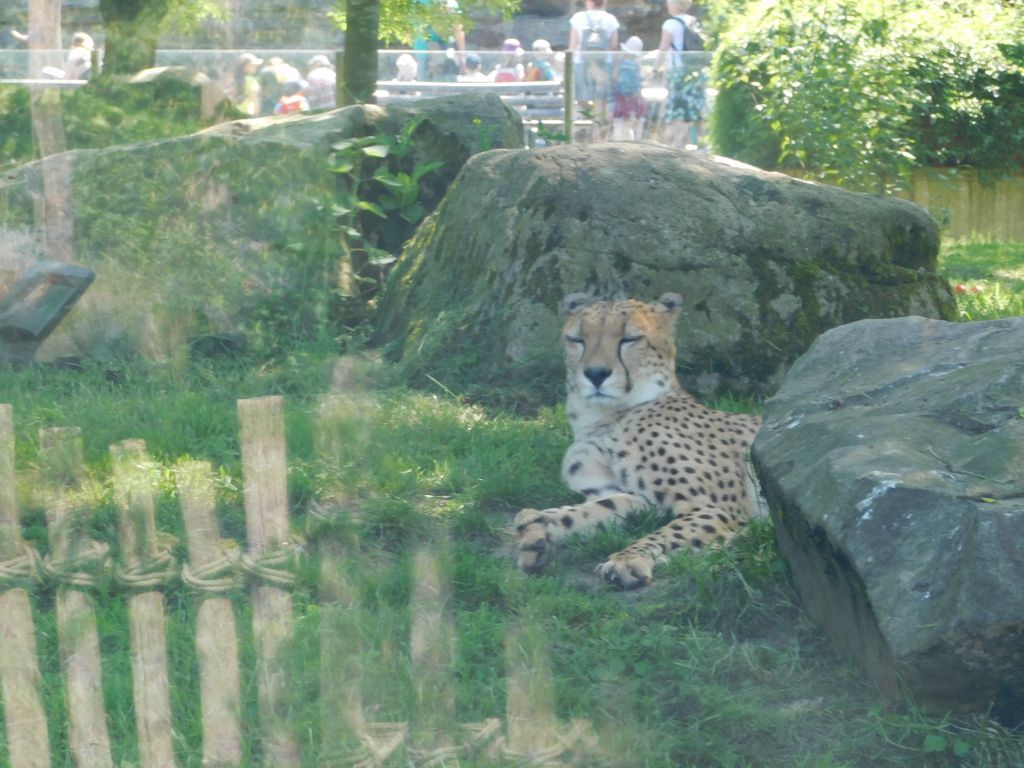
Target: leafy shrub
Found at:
x=860, y=93
x=104, y=113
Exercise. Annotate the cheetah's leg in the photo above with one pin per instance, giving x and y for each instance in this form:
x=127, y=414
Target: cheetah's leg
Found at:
x=694, y=530
x=539, y=531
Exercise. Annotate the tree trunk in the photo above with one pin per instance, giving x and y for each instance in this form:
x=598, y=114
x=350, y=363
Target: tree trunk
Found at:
x=132, y=28
x=53, y=211
x=359, y=69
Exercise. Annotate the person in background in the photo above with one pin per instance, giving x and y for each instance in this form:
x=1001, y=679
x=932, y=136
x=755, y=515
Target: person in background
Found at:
x=275, y=73
x=510, y=69
x=292, y=99
x=593, y=34
x=79, y=64
x=406, y=68
x=247, y=86
x=630, y=108
x=473, y=73
x=687, y=101
x=539, y=67
x=427, y=39
x=323, y=83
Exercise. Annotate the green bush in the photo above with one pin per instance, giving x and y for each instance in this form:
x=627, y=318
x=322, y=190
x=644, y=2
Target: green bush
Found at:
x=858, y=94
x=105, y=113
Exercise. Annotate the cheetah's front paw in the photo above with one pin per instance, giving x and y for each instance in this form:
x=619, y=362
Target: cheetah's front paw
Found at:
x=628, y=569
x=535, y=545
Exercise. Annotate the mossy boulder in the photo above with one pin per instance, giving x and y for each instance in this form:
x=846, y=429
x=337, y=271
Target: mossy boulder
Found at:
x=764, y=263
x=229, y=230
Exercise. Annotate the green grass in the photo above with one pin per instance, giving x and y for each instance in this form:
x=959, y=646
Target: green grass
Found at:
x=988, y=278
x=713, y=665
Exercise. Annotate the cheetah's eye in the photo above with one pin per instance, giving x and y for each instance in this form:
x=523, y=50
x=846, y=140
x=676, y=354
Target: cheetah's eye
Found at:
x=574, y=339
x=629, y=340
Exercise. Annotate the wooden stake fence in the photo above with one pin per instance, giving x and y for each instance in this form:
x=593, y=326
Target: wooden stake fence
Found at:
x=215, y=572
x=75, y=563
x=19, y=669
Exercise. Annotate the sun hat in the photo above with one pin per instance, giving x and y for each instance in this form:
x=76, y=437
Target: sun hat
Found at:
x=250, y=58
x=83, y=40
x=511, y=45
x=319, y=61
x=633, y=45
x=540, y=45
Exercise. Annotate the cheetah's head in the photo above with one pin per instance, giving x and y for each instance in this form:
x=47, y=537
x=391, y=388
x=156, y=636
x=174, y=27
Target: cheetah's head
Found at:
x=619, y=354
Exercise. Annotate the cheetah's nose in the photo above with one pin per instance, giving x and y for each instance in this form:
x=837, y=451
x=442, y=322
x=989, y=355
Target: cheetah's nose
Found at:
x=597, y=375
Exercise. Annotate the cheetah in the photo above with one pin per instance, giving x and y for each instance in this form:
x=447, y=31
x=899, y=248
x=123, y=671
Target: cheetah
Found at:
x=640, y=441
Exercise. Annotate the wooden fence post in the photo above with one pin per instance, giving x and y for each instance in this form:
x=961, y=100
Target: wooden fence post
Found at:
x=27, y=741
x=432, y=650
x=75, y=561
x=341, y=695
x=532, y=727
x=144, y=568
x=265, y=478
x=210, y=571
x=568, y=105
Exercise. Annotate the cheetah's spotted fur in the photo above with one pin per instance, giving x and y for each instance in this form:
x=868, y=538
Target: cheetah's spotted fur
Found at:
x=640, y=441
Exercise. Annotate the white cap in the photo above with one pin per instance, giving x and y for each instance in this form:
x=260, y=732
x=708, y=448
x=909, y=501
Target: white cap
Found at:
x=633, y=45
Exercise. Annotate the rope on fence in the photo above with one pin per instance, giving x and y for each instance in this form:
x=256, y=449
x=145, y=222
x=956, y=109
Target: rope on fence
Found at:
x=476, y=736
x=219, y=576
x=274, y=568
x=157, y=571
x=575, y=739
x=20, y=569
x=81, y=569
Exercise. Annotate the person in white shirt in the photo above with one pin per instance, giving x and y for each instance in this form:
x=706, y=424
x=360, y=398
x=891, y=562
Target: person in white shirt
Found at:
x=322, y=83
x=593, y=34
x=473, y=73
x=79, y=64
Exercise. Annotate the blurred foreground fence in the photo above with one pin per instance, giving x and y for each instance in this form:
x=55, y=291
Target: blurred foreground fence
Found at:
x=217, y=575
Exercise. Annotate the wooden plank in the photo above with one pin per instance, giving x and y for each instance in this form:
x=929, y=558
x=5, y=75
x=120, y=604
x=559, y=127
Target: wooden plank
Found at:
x=265, y=479
x=216, y=634
x=71, y=552
x=532, y=726
x=141, y=569
x=432, y=651
x=25, y=718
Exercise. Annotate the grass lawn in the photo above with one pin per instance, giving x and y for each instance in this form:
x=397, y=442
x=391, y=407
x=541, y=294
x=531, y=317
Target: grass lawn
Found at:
x=987, y=277
x=713, y=665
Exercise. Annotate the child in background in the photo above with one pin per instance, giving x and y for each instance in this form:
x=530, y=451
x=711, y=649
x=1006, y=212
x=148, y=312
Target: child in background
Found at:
x=510, y=70
x=292, y=99
x=540, y=67
x=630, y=108
x=472, y=73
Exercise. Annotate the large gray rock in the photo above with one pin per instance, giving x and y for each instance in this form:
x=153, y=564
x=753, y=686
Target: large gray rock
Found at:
x=231, y=229
x=893, y=461
x=764, y=263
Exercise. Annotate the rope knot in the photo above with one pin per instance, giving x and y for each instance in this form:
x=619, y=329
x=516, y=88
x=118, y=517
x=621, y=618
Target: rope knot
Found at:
x=21, y=569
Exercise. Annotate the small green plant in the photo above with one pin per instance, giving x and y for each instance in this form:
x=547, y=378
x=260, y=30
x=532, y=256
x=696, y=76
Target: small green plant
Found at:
x=378, y=177
x=550, y=136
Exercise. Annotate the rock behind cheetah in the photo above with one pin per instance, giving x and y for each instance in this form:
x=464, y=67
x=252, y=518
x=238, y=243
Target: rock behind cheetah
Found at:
x=640, y=441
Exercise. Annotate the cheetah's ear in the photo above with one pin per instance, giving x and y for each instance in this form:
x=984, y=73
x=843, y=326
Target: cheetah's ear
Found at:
x=574, y=301
x=668, y=302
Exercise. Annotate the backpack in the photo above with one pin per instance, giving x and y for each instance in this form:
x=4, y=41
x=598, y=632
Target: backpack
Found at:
x=629, y=81
x=693, y=40
x=595, y=36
